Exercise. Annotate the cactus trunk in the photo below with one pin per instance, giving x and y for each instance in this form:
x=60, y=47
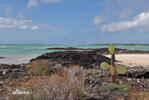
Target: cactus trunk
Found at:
x=112, y=69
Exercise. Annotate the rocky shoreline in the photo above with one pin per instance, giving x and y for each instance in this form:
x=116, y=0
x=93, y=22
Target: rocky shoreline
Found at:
x=136, y=76
x=92, y=60
x=101, y=50
x=87, y=59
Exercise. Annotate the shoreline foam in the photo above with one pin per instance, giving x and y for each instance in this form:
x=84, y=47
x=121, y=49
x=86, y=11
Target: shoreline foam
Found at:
x=17, y=59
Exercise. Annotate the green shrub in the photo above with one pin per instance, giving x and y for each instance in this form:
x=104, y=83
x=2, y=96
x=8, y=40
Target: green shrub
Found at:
x=28, y=67
x=39, y=67
x=124, y=88
x=93, y=73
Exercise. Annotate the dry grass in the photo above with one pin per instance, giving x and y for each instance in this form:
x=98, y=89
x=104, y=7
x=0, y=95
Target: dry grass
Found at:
x=65, y=84
x=143, y=95
x=138, y=95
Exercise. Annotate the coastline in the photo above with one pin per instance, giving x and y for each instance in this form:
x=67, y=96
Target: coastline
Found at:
x=124, y=56
x=89, y=61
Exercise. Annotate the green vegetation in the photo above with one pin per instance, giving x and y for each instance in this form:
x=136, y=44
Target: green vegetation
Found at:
x=123, y=88
x=93, y=73
x=113, y=69
x=111, y=49
x=28, y=67
x=1, y=64
x=39, y=67
x=105, y=66
x=42, y=70
x=121, y=69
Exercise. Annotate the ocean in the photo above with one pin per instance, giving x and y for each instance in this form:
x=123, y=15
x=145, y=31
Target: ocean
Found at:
x=22, y=53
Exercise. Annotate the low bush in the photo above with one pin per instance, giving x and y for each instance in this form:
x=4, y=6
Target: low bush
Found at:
x=123, y=88
x=39, y=67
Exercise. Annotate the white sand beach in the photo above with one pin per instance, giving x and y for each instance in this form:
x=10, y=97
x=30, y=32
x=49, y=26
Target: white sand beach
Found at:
x=133, y=59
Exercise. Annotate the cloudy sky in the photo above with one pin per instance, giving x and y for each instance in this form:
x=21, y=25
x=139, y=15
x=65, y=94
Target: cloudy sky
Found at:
x=74, y=21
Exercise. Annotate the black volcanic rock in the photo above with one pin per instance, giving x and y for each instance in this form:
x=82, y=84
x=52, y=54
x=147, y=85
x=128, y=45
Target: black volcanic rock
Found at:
x=88, y=59
x=12, y=71
x=137, y=72
x=101, y=50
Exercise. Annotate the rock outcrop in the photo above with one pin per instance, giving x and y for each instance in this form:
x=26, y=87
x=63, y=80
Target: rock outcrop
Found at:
x=87, y=59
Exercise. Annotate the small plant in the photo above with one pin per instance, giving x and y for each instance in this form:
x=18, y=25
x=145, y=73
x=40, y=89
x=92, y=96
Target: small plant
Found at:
x=1, y=64
x=39, y=67
x=28, y=67
x=94, y=73
x=113, y=70
x=123, y=88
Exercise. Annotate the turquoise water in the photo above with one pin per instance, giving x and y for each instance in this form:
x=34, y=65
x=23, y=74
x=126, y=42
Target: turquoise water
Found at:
x=22, y=53
x=34, y=49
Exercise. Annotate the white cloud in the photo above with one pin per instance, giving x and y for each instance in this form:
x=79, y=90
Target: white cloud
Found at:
x=51, y=1
x=24, y=24
x=32, y=3
x=98, y=20
x=140, y=21
x=24, y=27
x=34, y=27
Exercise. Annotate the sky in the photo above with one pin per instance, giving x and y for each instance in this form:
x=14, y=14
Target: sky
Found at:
x=74, y=21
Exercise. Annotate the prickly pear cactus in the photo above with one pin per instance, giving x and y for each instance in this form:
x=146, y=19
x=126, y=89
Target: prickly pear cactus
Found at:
x=104, y=66
x=121, y=69
x=112, y=70
x=111, y=49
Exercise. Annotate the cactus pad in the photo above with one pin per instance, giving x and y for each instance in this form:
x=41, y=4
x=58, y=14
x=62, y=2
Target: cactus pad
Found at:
x=104, y=66
x=121, y=69
x=111, y=49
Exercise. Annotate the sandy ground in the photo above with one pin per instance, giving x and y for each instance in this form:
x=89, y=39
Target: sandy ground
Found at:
x=133, y=59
